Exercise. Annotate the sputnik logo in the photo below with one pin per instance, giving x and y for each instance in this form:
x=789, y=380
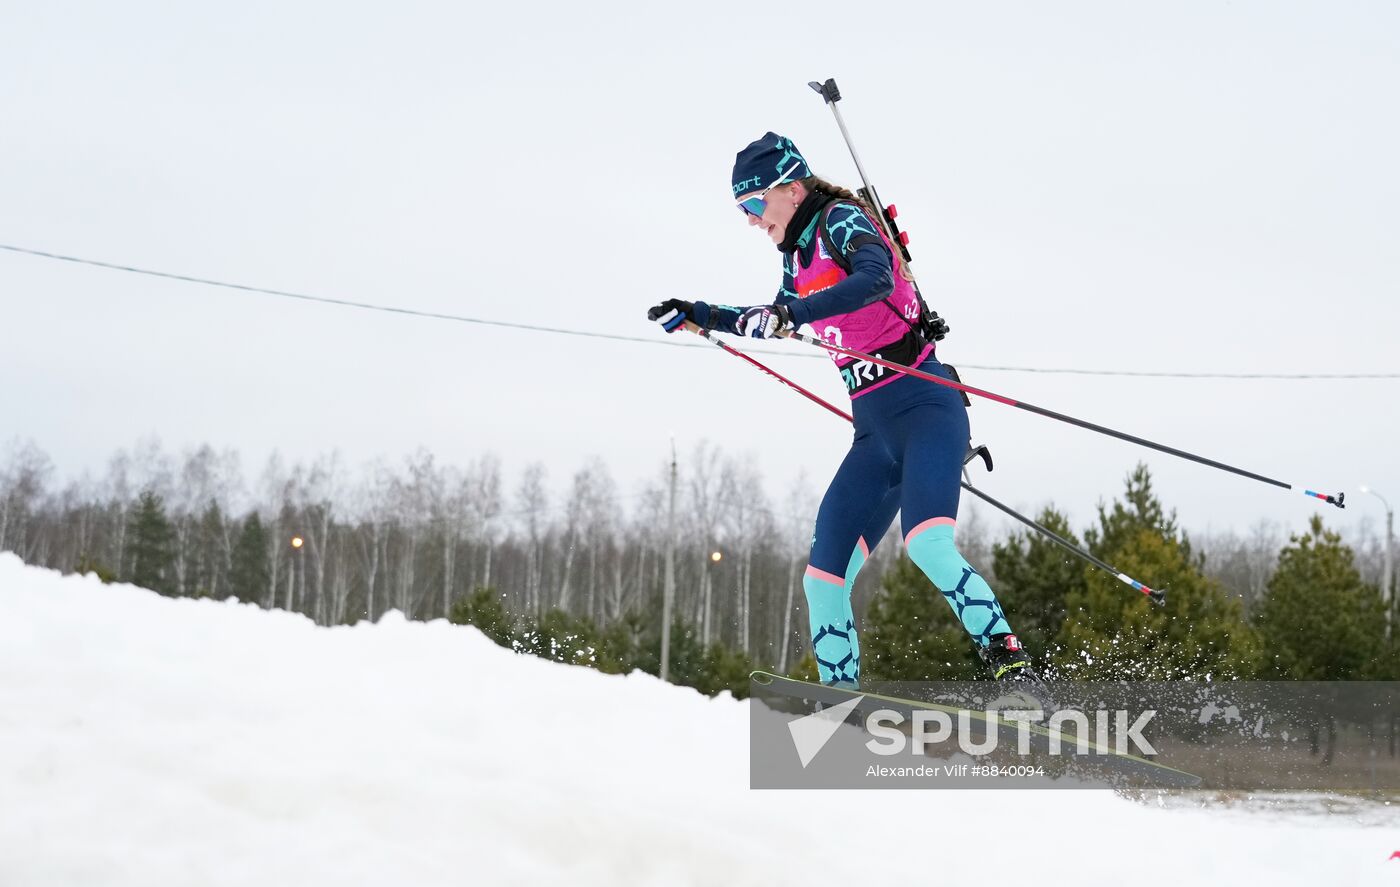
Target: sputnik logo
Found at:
x=1393, y=856
x=811, y=733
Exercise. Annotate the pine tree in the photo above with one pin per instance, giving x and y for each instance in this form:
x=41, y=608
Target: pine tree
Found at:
x=249, y=573
x=688, y=666
x=910, y=633
x=1319, y=621
x=150, y=553
x=1113, y=633
x=634, y=642
x=87, y=564
x=483, y=609
x=728, y=669
x=805, y=669
x=1035, y=577
x=204, y=574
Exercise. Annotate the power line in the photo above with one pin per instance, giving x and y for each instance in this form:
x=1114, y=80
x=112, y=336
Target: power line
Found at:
x=343, y=302
x=669, y=342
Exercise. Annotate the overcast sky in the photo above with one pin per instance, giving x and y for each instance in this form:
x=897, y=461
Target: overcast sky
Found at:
x=1176, y=187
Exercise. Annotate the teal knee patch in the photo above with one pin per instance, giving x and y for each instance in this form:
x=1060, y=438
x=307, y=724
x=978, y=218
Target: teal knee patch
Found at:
x=971, y=598
x=853, y=567
x=833, y=624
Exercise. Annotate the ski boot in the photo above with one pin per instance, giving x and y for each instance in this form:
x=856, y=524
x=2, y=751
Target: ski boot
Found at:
x=1010, y=665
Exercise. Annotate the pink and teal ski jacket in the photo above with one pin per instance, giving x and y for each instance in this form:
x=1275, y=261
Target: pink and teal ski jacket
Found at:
x=869, y=308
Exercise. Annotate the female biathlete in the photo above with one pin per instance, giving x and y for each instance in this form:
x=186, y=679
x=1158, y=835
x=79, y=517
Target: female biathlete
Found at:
x=841, y=276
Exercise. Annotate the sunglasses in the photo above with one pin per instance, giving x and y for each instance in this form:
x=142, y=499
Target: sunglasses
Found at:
x=755, y=206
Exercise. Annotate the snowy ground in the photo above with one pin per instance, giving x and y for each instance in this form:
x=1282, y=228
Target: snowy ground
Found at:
x=151, y=741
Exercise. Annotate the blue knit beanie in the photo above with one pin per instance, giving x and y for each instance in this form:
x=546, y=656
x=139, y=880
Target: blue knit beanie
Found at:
x=764, y=161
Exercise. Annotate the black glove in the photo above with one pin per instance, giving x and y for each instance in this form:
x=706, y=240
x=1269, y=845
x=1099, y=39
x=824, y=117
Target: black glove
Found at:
x=671, y=313
x=764, y=321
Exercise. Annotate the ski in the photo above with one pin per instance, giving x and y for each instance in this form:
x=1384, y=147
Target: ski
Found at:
x=1101, y=763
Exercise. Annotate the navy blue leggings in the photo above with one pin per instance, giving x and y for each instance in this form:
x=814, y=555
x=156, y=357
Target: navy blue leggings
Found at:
x=910, y=439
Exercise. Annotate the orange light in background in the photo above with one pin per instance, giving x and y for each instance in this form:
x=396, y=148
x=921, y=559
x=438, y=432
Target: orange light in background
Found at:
x=717, y=557
x=296, y=542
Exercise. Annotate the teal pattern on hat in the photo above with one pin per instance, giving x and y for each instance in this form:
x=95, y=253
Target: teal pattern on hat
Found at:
x=764, y=160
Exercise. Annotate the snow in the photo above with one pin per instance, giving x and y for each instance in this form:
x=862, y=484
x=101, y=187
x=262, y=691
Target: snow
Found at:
x=150, y=741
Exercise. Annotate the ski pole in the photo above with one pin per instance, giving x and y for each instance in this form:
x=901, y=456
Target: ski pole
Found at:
x=1157, y=596
x=832, y=95
x=705, y=334
x=1337, y=500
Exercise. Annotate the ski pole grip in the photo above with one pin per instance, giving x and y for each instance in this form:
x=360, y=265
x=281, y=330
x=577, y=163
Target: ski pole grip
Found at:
x=828, y=91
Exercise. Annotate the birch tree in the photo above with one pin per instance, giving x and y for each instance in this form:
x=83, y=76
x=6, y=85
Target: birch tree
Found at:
x=483, y=495
x=800, y=518
x=532, y=501
x=23, y=479
x=373, y=503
